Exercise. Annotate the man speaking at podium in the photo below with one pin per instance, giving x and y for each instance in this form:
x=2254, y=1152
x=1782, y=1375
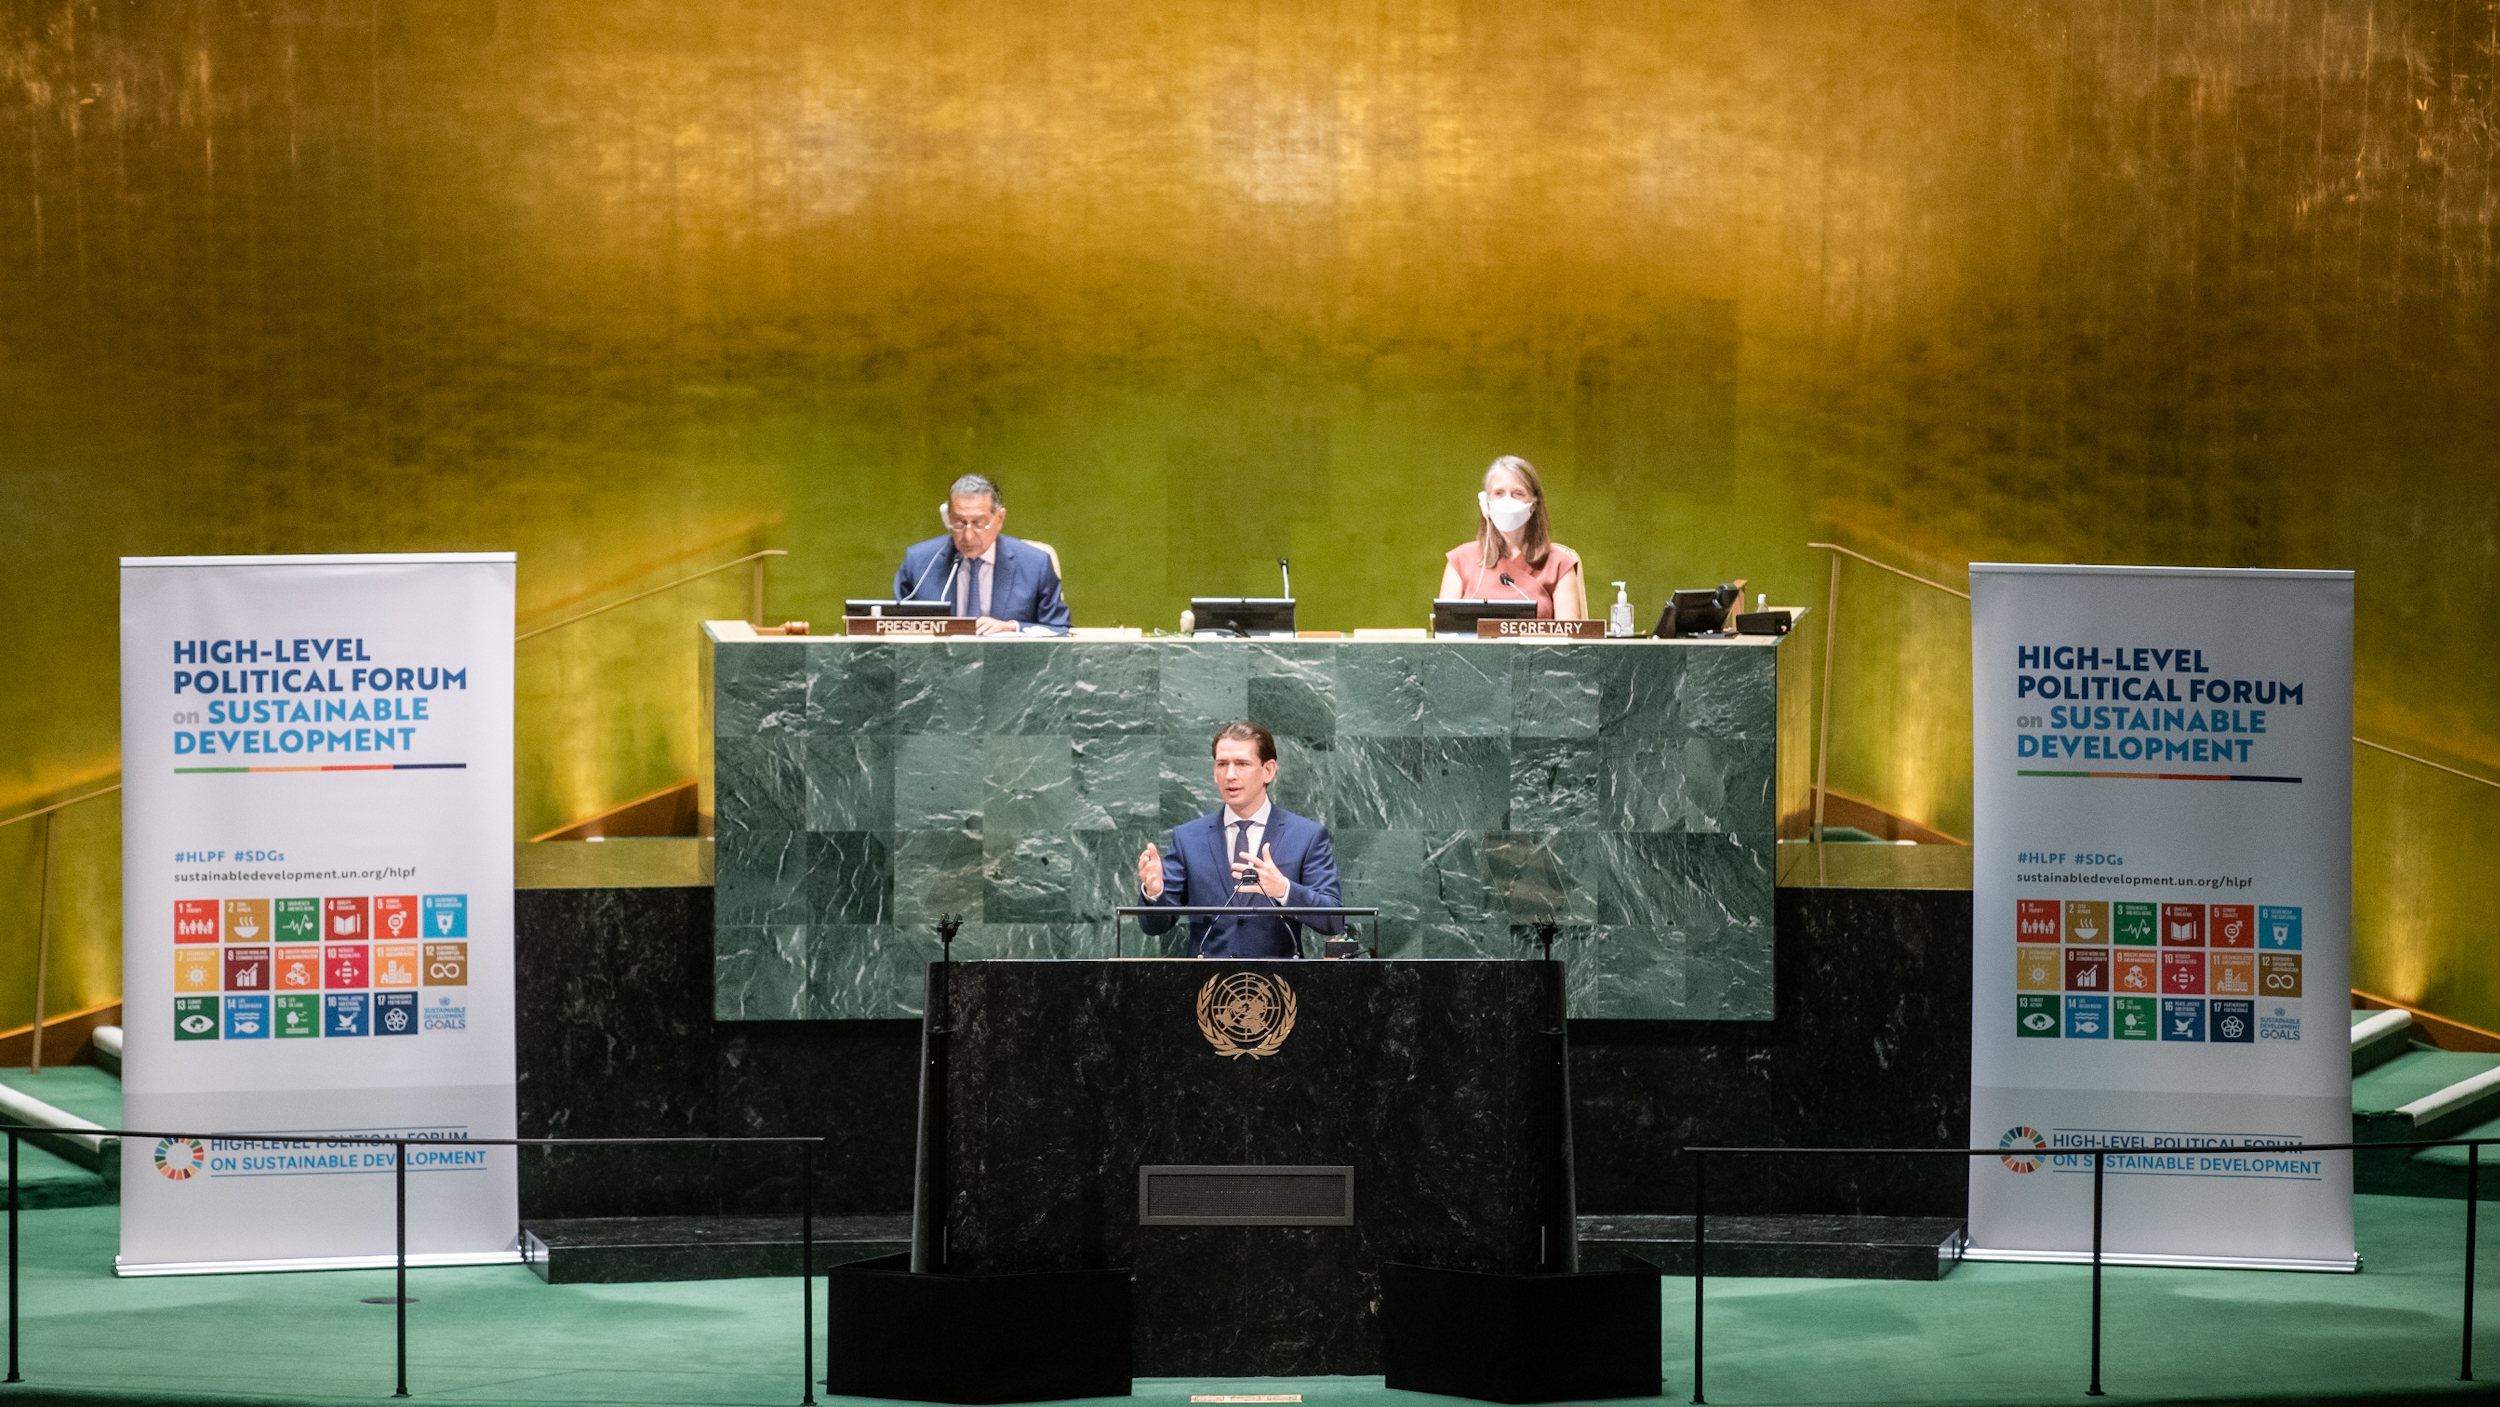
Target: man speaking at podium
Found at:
x=1252, y=854
x=1002, y=582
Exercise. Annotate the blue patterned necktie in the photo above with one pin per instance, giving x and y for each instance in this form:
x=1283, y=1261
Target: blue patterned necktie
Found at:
x=972, y=589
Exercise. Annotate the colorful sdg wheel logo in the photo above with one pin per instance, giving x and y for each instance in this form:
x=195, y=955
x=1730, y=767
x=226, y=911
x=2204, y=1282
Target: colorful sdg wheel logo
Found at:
x=180, y=1159
x=2025, y=1145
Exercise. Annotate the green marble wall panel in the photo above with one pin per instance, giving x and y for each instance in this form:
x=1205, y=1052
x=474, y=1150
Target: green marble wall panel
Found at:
x=1626, y=791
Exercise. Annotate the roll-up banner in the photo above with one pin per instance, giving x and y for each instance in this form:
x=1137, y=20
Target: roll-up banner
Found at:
x=2161, y=911
x=316, y=908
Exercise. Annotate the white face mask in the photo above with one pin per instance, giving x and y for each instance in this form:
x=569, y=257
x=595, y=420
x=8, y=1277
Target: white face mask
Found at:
x=1508, y=514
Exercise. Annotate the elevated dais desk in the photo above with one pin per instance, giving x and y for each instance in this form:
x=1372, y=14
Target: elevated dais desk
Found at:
x=1630, y=791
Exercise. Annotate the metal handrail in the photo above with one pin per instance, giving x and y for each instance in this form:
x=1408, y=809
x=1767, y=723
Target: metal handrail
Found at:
x=1831, y=614
x=43, y=914
x=808, y=1144
x=2409, y=757
x=2473, y=1177
x=43, y=922
x=671, y=586
x=60, y=805
x=517, y=639
x=1887, y=566
x=1831, y=634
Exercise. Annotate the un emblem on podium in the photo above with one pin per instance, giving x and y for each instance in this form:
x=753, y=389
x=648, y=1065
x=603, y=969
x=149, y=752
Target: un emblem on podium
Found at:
x=1246, y=1013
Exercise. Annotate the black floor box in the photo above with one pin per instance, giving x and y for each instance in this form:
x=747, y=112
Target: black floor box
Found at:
x=975, y=1338
x=1522, y=1338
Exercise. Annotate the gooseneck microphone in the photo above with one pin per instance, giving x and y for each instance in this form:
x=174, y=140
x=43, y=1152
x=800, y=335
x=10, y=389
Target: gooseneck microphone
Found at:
x=1241, y=874
x=944, y=586
x=1285, y=565
x=1514, y=587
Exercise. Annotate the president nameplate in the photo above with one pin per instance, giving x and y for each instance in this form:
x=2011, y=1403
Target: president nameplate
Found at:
x=1496, y=628
x=908, y=625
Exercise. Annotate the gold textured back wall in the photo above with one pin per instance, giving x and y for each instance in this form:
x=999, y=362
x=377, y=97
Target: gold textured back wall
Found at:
x=635, y=288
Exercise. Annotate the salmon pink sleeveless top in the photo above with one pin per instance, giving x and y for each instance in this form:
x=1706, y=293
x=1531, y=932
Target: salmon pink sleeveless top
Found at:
x=1537, y=584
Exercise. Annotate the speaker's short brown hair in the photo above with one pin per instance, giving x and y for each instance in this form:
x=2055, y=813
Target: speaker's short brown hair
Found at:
x=1246, y=733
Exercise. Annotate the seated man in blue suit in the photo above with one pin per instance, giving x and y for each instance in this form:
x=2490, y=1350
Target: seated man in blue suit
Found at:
x=1003, y=583
x=1249, y=852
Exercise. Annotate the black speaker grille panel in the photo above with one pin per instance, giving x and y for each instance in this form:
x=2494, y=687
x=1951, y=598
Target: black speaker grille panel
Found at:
x=1245, y=1196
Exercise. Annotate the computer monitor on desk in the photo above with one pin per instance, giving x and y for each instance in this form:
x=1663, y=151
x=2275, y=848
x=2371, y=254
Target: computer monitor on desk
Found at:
x=1242, y=617
x=897, y=608
x=1699, y=612
x=1455, y=617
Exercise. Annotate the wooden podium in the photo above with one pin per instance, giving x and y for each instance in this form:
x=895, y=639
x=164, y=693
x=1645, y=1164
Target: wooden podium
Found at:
x=1253, y=1141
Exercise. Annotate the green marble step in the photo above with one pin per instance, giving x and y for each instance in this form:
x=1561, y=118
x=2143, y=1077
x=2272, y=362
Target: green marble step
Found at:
x=63, y=1103
x=618, y=1250
x=612, y=1250
x=2454, y=1158
x=2430, y=1172
x=2378, y=1037
x=2398, y=1100
x=45, y=1178
x=90, y=1093
x=1810, y=1247
x=46, y=1181
x=2413, y=1075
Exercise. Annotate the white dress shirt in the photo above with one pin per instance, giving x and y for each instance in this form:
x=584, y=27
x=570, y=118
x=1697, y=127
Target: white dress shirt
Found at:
x=1258, y=831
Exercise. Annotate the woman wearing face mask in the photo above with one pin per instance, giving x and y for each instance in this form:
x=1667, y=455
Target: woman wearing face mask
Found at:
x=1514, y=555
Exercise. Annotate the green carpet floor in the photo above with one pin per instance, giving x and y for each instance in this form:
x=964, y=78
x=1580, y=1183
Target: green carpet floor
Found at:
x=1984, y=1334
x=47, y=1180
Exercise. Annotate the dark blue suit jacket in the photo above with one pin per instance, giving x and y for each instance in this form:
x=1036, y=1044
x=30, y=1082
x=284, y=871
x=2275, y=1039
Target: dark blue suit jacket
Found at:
x=1026, y=589
x=1199, y=871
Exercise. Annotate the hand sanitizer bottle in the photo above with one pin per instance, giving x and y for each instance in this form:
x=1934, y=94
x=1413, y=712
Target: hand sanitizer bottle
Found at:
x=1619, y=615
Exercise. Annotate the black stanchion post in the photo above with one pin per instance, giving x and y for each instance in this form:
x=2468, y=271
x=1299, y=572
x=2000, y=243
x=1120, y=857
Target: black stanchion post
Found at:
x=399, y=1306
x=2100, y=1165
x=13, y=1377
x=1700, y=1211
x=2473, y=1192
x=807, y=1275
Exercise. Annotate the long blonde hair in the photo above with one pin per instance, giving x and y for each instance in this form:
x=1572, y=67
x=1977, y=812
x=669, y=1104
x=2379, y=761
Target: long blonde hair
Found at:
x=1535, y=539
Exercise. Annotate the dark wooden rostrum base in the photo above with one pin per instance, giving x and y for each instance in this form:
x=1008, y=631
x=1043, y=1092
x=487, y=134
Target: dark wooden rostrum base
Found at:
x=1441, y=1084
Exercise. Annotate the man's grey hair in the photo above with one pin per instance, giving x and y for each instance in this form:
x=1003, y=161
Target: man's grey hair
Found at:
x=977, y=484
